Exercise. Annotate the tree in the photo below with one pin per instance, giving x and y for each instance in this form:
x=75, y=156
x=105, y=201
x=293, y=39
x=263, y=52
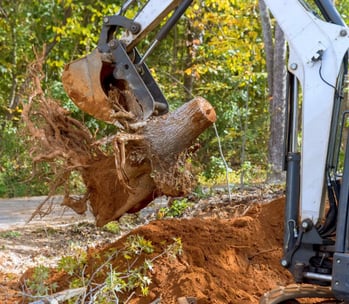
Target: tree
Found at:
x=275, y=55
x=228, y=69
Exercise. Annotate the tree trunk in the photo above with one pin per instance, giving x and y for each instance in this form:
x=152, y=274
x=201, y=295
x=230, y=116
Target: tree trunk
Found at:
x=151, y=164
x=277, y=110
x=276, y=68
x=268, y=42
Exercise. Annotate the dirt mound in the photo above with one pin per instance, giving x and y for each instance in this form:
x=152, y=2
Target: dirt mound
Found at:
x=223, y=261
x=230, y=260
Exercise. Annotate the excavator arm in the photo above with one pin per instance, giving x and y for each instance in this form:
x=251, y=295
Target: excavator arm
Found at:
x=116, y=64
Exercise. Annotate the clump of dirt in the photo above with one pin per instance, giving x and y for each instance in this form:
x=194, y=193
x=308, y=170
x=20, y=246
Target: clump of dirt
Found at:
x=227, y=260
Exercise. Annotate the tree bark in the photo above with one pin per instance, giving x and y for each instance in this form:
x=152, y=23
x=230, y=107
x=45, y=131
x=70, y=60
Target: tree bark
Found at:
x=277, y=110
x=171, y=134
x=268, y=42
x=276, y=69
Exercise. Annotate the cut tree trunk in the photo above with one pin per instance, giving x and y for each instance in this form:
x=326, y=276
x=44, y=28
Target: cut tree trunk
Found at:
x=147, y=164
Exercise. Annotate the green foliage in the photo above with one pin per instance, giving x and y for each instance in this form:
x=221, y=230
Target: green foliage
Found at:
x=72, y=264
x=112, y=227
x=216, y=168
x=15, y=163
x=343, y=8
x=37, y=284
x=176, y=209
x=135, y=277
x=10, y=234
x=137, y=244
x=138, y=259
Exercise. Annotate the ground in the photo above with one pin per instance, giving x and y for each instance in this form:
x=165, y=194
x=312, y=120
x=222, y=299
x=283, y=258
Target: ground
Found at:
x=231, y=250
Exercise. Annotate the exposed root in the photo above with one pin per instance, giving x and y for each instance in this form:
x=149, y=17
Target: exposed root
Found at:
x=58, y=140
x=174, y=178
x=120, y=140
x=126, y=108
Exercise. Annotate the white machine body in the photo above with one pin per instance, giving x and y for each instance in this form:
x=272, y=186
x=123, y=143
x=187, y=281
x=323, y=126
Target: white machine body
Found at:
x=316, y=49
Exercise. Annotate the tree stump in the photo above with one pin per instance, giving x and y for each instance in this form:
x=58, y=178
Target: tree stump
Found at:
x=123, y=172
x=150, y=163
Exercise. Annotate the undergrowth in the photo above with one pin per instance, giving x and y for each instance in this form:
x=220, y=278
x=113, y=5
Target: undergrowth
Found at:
x=176, y=209
x=36, y=283
x=119, y=274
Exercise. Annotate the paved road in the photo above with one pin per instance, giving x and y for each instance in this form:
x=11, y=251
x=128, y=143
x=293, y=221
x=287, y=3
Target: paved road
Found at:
x=16, y=212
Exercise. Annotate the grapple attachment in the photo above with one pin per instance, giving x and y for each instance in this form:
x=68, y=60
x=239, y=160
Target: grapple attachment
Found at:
x=116, y=64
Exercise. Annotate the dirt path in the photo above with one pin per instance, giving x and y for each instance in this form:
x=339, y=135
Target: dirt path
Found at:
x=14, y=213
x=61, y=232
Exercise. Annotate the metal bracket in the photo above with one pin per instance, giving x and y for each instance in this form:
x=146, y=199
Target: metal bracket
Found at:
x=126, y=70
x=340, y=281
x=110, y=24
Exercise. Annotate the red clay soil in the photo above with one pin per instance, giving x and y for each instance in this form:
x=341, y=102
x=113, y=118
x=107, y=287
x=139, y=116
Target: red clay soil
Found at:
x=224, y=261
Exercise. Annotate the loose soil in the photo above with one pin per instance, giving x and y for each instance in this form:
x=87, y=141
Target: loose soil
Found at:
x=231, y=252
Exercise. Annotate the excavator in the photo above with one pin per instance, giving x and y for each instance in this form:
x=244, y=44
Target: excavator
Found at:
x=316, y=225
